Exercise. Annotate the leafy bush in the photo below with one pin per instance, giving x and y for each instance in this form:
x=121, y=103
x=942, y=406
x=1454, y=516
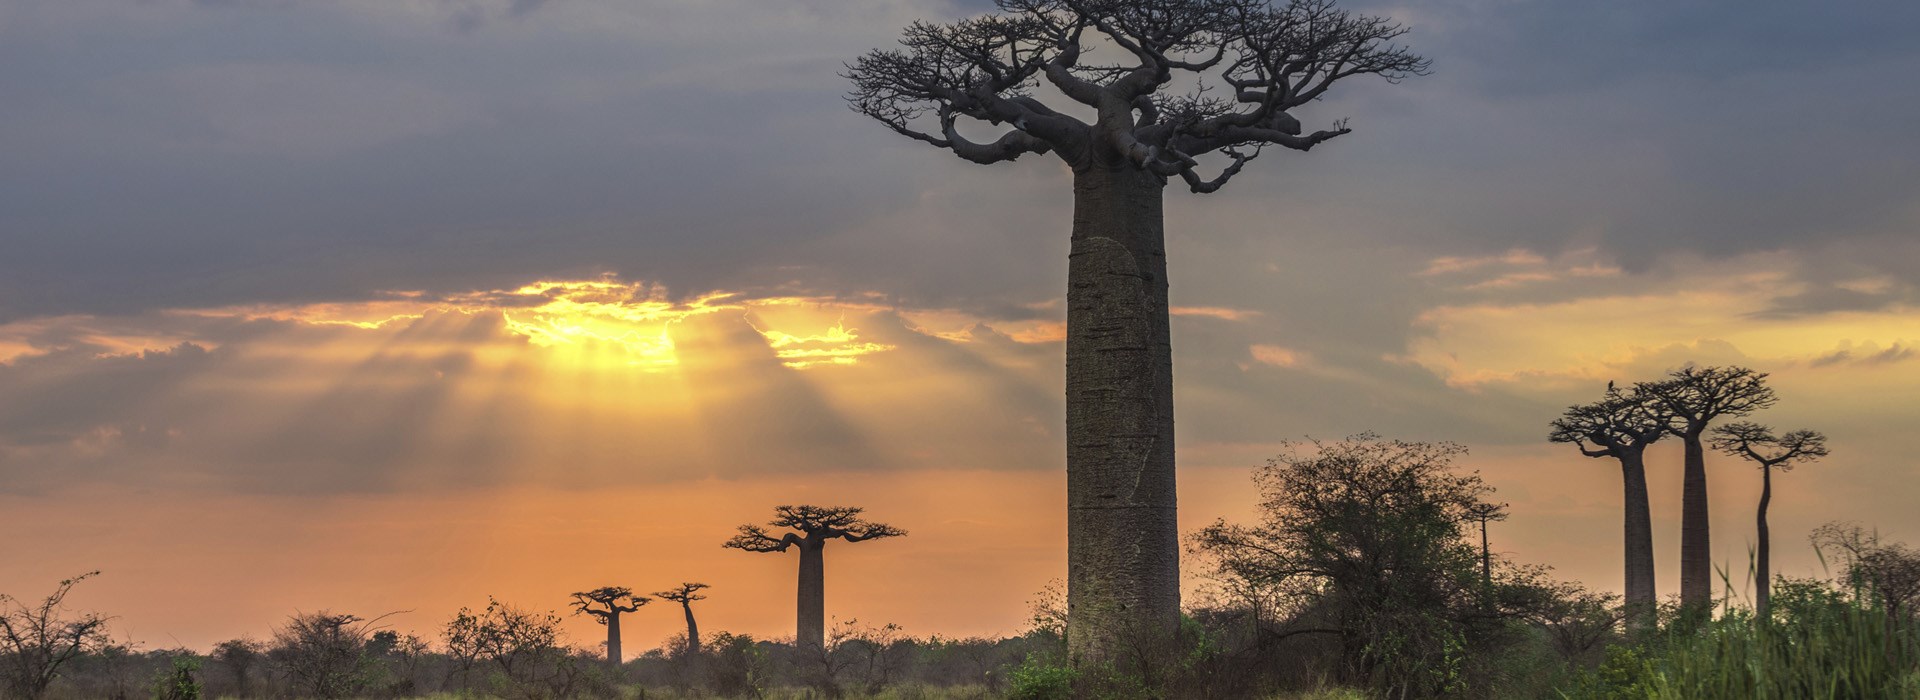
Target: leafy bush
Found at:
x=1038, y=679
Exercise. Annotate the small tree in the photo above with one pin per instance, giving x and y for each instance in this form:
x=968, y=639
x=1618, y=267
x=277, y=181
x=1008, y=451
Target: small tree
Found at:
x=239, y=656
x=685, y=595
x=1370, y=531
x=1887, y=573
x=606, y=604
x=523, y=645
x=1758, y=444
x=37, y=639
x=1696, y=397
x=1621, y=425
x=324, y=654
x=811, y=528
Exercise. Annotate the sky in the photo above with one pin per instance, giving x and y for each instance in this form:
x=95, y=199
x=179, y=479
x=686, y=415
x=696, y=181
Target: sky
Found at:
x=393, y=305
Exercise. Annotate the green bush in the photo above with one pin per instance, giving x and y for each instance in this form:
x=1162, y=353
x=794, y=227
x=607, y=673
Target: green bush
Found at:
x=1036, y=679
x=178, y=682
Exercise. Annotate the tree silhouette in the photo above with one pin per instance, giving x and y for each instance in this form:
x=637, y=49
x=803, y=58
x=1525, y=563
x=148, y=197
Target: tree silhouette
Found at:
x=811, y=527
x=1697, y=396
x=1757, y=443
x=606, y=605
x=1483, y=512
x=685, y=595
x=1621, y=425
x=37, y=639
x=1249, y=63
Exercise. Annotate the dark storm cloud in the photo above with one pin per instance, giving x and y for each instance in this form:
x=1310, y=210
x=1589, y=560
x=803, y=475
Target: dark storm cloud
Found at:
x=195, y=153
x=190, y=154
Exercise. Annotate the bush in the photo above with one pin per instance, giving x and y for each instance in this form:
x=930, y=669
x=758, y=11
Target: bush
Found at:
x=1037, y=679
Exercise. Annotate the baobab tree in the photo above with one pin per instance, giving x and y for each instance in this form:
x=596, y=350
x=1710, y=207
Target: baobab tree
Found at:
x=1621, y=425
x=1242, y=66
x=685, y=594
x=1483, y=512
x=1698, y=396
x=1758, y=444
x=810, y=528
x=606, y=604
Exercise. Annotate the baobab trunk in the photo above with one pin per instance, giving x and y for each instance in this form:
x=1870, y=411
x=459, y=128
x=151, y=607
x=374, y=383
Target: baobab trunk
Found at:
x=1762, y=575
x=1696, y=556
x=1122, y=540
x=613, y=640
x=693, y=630
x=1641, y=598
x=810, y=628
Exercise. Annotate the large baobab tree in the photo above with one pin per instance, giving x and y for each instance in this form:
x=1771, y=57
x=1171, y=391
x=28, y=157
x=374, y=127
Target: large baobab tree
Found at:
x=1698, y=396
x=1758, y=444
x=685, y=594
x=1621, y=425
x=606, y=604
x=809, y=530
x=1192, y=78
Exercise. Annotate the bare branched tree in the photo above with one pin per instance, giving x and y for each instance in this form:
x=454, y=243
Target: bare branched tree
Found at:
x=1193, y=78
x=685, y=594
x=1758, y=444
x=325, y=654
x=606, y=604
x=37, y=639
x=1621, y=425
x=1698, y=396
x=810, y=527
x=1888, y=573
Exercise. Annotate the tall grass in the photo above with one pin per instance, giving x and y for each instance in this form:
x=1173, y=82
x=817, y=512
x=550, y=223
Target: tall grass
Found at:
x=1818, y=643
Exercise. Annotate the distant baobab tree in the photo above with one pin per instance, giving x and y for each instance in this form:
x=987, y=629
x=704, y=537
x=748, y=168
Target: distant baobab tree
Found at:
x=685, y=594
x=1621, y=425
x=606, y=605
x=1757, y=443
x=1698, y=396
x=1245, y=64
x=1483, y=512
x=810, y=529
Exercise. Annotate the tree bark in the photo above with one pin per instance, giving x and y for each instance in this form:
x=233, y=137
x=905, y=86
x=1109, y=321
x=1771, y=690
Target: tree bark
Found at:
x=1122, y=539
x=613, y=639
x=1762, y=577
x=1642, y=601
x=810, y=628
x=693, y=630
x=1696, y=556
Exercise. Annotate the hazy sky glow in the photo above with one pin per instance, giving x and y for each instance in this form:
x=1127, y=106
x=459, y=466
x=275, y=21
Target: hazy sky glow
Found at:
x=394, y=304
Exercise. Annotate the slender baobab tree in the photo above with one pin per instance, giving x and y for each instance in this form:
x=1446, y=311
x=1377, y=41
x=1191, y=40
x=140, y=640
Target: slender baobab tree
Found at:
x=606, y=605
x=685, y=594
x=1193, y=77
x=810, y=527
x=1483, y=512
x=1697, y=396
x=1621, y=425
x=1757, y=443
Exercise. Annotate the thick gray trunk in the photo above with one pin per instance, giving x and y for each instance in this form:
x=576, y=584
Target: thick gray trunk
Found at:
x=1123, y=555
x=1642, y=602
x=810, y=629
x=1696, y=556
x=613, y=640
x=693, y=630
x=1762, y=574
